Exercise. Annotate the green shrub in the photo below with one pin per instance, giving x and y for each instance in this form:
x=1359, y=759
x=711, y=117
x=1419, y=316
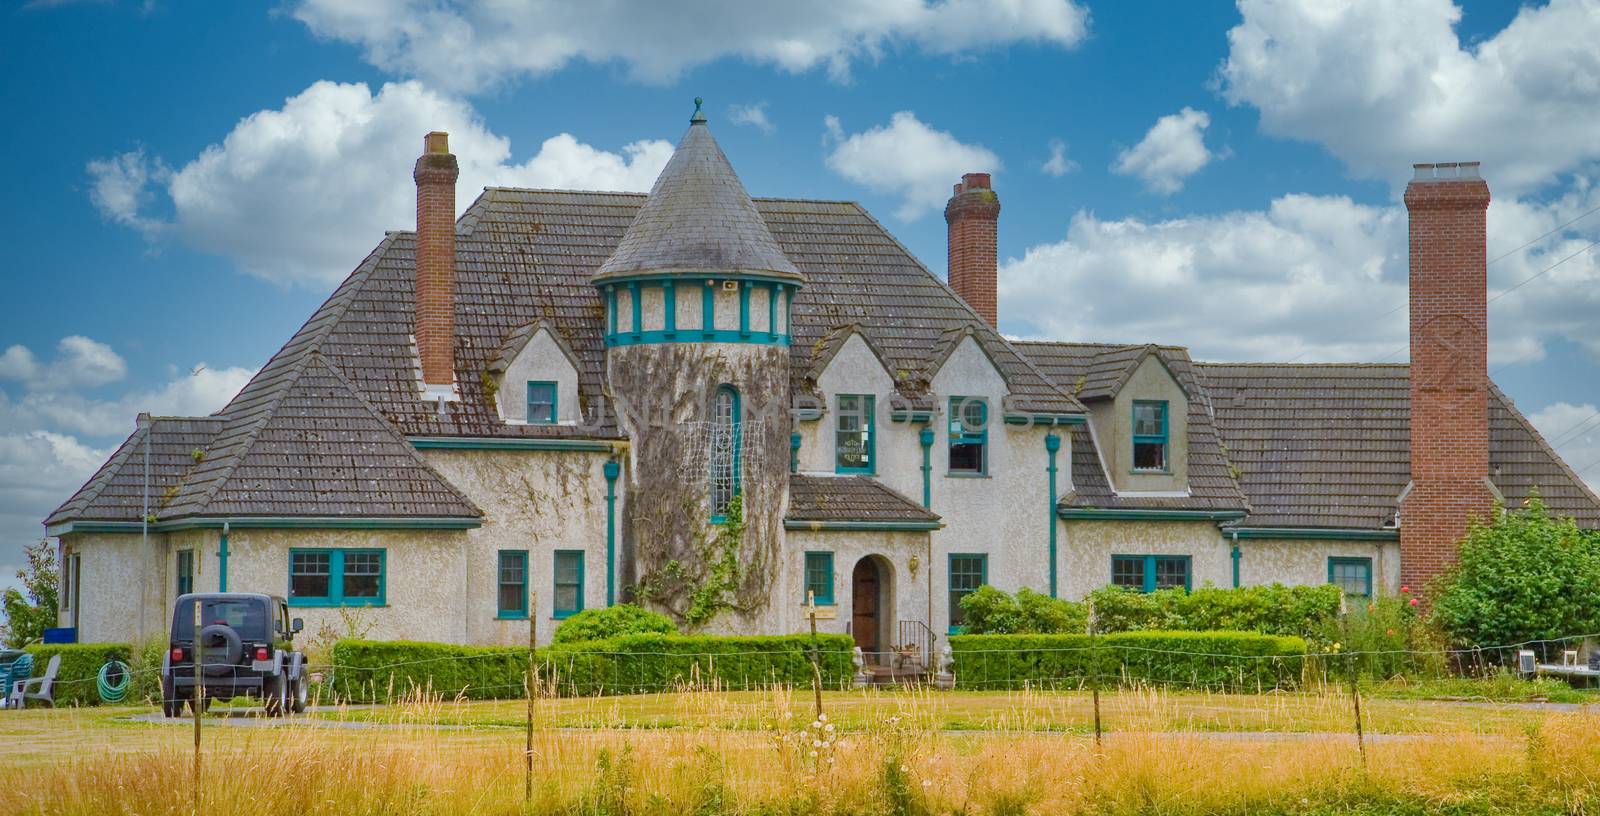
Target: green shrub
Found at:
x=613, y=621
x=990, y=611
x=645, y=663
x=382, y=671
x=1236, y=661
x=1389, y=640
x=80, y=665
x=1524, y=576
x=368, y=670
x=1298, y=611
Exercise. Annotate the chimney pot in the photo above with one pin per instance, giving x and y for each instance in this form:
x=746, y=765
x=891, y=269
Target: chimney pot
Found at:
x=436, y=142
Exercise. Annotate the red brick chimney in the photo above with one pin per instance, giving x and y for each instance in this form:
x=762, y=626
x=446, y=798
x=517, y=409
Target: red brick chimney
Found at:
x=1449, y=368
x=436, y=174
x=973, y=216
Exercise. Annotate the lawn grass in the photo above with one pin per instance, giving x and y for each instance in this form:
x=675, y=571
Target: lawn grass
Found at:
x=705, y=753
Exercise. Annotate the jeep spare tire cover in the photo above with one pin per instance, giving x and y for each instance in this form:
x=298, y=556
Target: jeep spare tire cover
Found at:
x=222, y=649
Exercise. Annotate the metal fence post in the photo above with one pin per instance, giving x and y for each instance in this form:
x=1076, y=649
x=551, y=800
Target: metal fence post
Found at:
x=527, y=780
x=816, y=654
x=1094, y=673
x=198, y=702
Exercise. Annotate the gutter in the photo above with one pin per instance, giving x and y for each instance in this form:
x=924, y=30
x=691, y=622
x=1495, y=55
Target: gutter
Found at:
x=612, y=470
x=1052, y=446
x=272, y=523
x=1305, y=533
x=509, y=443
x=1236, y=556
x=861, y=526
x=1110, y=514
x=926, y=438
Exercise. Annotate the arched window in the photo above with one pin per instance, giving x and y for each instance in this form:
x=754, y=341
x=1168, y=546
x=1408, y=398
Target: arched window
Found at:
x=724, y=451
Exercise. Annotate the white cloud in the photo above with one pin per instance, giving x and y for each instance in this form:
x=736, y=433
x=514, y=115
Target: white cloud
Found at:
x=1172, y=150
x=1574, y=431
x=300, y=194
x=468, y=47
x=80, y=362
x=1383, y=85
x=120, y=188
x=753, y=115
x=908, y=159
x=1058, y=164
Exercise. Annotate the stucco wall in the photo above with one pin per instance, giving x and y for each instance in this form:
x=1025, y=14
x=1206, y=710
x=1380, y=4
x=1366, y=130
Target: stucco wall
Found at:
x=1086, y=548
x=121, y=583
x=896, y=551
x=540, y=360
x=1267, y=561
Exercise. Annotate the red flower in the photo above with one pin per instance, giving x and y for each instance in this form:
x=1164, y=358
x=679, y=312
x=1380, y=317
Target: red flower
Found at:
x=1405, y=589
x=1413, y=601
x=1390, y=633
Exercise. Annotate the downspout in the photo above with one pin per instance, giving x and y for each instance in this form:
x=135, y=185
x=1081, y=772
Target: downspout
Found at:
x=611, y=470
x=926, y=438
x=1236, y=555
x=1052, y=445
x=794, y=452
x=222, y=560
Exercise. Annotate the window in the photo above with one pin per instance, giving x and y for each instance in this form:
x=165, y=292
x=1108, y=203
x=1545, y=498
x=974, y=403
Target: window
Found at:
x=325, y=577
x=969, y=435
x=967, y=573
x=1149, y=435
x=1353, y=575
x=185, y=571
x=568, y=597
x=853, y=434
x=1148, y=573
x=723, y=444
x=541, y=403
x=513, y=584
x=819, y=576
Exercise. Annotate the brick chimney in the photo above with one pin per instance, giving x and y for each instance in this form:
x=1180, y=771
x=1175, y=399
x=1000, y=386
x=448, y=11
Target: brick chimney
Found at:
x=973, y=216
x=1449, y=368
x=436, y=174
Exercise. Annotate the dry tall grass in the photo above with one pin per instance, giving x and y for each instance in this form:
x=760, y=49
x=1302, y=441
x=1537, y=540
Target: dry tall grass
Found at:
x=893, y=762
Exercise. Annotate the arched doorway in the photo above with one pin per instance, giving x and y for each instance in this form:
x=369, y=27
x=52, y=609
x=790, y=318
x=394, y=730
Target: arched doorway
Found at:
x=871, y=613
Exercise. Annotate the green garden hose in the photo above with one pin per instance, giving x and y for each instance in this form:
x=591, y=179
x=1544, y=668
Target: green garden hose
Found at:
x=113, y=682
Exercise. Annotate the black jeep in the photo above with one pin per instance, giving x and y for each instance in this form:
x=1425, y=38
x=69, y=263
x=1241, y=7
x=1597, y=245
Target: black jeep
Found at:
x=246, y=649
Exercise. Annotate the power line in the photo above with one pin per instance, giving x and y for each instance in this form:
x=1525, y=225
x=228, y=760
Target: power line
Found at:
x=1541, y=273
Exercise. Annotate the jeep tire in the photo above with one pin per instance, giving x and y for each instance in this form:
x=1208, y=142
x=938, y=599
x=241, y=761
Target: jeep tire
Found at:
x=275, y=695
x=171, y=703
x=297, y=698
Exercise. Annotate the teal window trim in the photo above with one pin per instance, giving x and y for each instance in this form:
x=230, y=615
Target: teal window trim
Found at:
x=185, y=570
x=611, y=311
x=337, y=560
x=708, y=310
x=659, y=337
x=718, y=513
x=1362, y=563
x=865, y=415
x=1149, y=580
x=550, y=417
x=772, y=311
x=744, y=309
x=819, y=577
x=520, y=610
x=637, y=308
x=1153, y=439
x=669, y=309
x=961, y=433
x=573, y=557
x=981, y=561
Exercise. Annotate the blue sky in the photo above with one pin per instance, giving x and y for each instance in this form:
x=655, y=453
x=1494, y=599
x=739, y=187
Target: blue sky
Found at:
x=187, y=182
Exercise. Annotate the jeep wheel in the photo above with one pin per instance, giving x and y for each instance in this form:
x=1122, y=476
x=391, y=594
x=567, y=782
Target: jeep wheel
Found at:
x=171, y=703
x=275, y=695
x=297, y=702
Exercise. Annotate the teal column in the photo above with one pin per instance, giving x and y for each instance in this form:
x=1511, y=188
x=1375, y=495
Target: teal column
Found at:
x=669, y=305
x=611, y=470
x=794, y=453
x=222, y=560
x=926, y=438
x=1236, y=556
x=708, y=309
x=744, y=309
x=611, y=313
x=638, y=309
x=1052, y=446
x=772, y=311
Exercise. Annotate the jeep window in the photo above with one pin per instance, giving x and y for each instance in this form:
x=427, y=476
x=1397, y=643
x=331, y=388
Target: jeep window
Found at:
x=246, y=616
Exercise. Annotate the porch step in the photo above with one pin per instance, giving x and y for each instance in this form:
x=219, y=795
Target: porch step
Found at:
x=887, y=676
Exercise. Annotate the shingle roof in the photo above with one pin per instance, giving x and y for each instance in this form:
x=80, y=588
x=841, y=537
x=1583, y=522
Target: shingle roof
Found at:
x=698, y=219
x=1211, y=482
x=116, y=492
x=1329, y=445
x=850, y=498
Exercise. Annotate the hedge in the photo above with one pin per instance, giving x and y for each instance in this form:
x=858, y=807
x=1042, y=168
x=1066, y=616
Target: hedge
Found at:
x=1242, y=661
x=646, y=663
x=1298, y=611
x=378, y=671
x=80, y=665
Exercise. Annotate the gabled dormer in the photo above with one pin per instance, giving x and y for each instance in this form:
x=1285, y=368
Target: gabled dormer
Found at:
x=534, y=378
x=1139, y=412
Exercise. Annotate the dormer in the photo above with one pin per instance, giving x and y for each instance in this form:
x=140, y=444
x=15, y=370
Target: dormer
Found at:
x=535, y=377
x=1140, y=415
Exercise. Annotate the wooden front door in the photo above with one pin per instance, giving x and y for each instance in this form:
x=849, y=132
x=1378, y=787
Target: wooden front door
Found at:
x=864, y=605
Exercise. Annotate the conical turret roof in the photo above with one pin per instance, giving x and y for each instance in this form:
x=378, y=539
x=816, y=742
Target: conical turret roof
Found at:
x=698, y=219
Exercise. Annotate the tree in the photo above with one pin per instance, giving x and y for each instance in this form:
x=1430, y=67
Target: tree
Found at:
x=28, y=615
x=1522, y=577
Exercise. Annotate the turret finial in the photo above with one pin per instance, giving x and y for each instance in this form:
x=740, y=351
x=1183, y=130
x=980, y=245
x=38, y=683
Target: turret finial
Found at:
x=698, y=118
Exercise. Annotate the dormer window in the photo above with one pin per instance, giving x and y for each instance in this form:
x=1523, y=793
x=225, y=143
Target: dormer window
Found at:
x=541, y=402
x=1150, y=435
x=853, y=434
